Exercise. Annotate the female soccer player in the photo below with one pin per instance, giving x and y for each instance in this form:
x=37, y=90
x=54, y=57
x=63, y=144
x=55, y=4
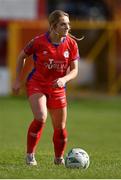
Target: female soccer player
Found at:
x=53, y=53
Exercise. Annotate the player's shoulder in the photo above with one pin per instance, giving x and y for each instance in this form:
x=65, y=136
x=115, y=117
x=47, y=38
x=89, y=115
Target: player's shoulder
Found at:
x=71, y=41
x=39, y=38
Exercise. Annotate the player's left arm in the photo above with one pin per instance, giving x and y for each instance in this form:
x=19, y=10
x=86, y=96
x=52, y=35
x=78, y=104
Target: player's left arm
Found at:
x=71, y=75
x=73, y=63
x=73, y=71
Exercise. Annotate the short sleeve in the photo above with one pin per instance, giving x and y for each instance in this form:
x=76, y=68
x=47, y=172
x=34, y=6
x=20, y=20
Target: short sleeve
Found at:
x=75, y=52
x=30, y=47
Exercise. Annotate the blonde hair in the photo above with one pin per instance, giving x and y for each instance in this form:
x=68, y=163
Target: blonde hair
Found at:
x=54, y=18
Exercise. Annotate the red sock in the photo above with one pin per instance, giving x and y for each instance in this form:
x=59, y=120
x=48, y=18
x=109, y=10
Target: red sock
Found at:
x=59, y=140
x=34, y=134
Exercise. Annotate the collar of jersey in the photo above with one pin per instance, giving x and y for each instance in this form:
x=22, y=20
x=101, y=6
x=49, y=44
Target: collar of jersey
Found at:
x=49, y=40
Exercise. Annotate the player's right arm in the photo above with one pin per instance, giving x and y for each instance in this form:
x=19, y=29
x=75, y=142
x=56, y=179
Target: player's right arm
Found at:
x=26, y=52
x=20, y=63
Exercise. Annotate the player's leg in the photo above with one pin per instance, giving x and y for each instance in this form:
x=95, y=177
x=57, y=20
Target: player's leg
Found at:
x=58, y=117
x=39, y=109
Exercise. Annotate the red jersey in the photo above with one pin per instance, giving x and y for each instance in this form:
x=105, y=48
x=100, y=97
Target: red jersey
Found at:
x=50, y=61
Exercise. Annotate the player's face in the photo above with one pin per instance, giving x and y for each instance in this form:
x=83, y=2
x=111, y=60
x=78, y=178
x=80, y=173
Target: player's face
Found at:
x=63, y=26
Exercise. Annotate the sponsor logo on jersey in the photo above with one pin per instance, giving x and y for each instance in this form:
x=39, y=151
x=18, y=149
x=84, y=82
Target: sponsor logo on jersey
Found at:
x=57, y=65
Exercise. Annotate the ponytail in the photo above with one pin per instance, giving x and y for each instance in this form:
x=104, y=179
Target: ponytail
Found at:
x=77, y=39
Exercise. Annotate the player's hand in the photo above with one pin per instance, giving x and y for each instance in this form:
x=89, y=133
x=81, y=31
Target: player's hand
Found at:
x=60, y=82
x=16, y=87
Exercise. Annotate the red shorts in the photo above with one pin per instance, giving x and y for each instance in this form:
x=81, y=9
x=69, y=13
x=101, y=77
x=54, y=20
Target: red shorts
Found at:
x=56, y=97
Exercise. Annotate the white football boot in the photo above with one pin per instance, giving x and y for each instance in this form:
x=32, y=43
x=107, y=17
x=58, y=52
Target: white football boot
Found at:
x=59, y=161
x=30, y=159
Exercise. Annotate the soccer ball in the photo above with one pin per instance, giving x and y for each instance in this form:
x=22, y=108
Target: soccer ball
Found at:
x=77, y=158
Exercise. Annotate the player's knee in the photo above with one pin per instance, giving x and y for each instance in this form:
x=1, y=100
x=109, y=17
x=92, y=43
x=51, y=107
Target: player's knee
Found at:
x=60, y=125
x=41, y=117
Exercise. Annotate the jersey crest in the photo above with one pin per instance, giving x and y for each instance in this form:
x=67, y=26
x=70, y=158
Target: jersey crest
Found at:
x=66, y=54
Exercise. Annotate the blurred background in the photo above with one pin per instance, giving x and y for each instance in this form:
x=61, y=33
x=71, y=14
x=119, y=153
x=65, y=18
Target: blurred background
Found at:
x=94, y=111
x=97, y=20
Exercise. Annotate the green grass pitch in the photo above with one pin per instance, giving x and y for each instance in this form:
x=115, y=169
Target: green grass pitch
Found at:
x=93, y=124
